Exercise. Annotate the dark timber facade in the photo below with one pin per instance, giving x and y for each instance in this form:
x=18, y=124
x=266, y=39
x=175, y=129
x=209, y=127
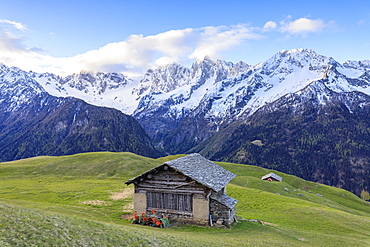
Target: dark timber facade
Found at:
x=190, y=190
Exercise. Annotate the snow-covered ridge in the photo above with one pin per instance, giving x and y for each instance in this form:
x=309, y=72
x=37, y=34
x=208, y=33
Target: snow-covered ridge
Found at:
x=365, y=64
x=16, y=88
x=102, y=89
x=220, y=90
x=181, y=92
x=220, y=96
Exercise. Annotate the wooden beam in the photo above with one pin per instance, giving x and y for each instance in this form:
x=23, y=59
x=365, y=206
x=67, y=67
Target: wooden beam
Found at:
x=185, y=184
x=171, y=191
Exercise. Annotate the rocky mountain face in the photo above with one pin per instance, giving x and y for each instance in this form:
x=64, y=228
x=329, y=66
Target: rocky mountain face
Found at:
x=315, y=133
x=162, y=112
x=298, y=112
x=97, y=88
x=176, y=127
x=33, y=123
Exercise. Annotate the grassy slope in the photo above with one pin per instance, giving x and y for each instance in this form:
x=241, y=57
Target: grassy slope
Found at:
x=54, y=197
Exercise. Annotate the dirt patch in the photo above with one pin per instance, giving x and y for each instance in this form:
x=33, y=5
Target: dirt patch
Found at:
x=95, y=203
x=260, y=221
x=125, y=193
x=128, y=207
x=268, y=223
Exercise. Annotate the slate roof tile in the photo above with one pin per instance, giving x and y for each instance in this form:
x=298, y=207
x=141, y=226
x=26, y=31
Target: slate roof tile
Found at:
x=224, y=199
x=199, y=169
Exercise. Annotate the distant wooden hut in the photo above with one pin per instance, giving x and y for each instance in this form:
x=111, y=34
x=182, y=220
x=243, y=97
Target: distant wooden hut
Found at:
x=272, y=177
x=190, y=189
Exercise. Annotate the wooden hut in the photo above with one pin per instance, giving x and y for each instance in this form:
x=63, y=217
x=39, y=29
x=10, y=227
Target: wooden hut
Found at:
x=272, y=177
x=189, y=190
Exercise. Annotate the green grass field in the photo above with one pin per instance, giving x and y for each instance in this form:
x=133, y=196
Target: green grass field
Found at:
x=77, y=200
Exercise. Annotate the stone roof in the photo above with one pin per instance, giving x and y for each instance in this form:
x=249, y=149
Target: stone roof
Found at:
x=272, y=175
x=224, y=199
x=203, y=171
x=199, y=169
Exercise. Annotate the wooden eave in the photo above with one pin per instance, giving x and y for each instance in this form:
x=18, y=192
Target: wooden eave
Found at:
x=144, y=176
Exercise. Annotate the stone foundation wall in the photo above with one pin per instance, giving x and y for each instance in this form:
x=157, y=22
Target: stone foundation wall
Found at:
x=179, y=217
x=221, y=215
x=199, y=215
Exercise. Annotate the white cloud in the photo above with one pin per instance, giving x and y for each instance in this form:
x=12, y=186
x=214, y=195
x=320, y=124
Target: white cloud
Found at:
x=303, y=25
x=212, y=41
x=17, y=25
x=270, y=25
x=10, y=42
x=134, y=55
x=162, y=61
x=361, y=22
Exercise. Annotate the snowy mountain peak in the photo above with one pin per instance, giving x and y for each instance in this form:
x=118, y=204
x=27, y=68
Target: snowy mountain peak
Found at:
x=17, y=88
x=225, y=90
x=163, y=79
x=364, y=64
x=297, y=57
x=97, y=82
x=97, y=88
x=286, y=62
x=205, y=59
x=297, y=51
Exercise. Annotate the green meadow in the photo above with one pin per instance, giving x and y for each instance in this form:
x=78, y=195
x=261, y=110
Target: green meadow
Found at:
x=78, y=200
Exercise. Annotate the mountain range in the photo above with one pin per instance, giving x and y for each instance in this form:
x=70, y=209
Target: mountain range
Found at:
x=34, y=123
x=298, y=112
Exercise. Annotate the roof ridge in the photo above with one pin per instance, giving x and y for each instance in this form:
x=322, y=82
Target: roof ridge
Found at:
x=203, y=171
x=199, y=169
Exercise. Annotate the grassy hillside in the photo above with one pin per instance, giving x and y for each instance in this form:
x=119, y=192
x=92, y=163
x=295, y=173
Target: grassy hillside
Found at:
x=77, y=200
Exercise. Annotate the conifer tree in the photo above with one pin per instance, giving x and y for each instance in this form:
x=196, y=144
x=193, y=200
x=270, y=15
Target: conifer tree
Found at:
x=365, y=195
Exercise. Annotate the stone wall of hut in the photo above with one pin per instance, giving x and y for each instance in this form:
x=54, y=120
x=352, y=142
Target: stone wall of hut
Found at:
x=221, y=214
x=199, y=215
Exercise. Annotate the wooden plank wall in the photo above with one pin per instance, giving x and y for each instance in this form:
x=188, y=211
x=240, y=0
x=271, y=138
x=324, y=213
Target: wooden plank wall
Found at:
x=169, y=191
x=178, y=202
x=168, y=180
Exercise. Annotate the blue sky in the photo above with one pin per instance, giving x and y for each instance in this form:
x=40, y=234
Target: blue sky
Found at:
x=131, y=36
